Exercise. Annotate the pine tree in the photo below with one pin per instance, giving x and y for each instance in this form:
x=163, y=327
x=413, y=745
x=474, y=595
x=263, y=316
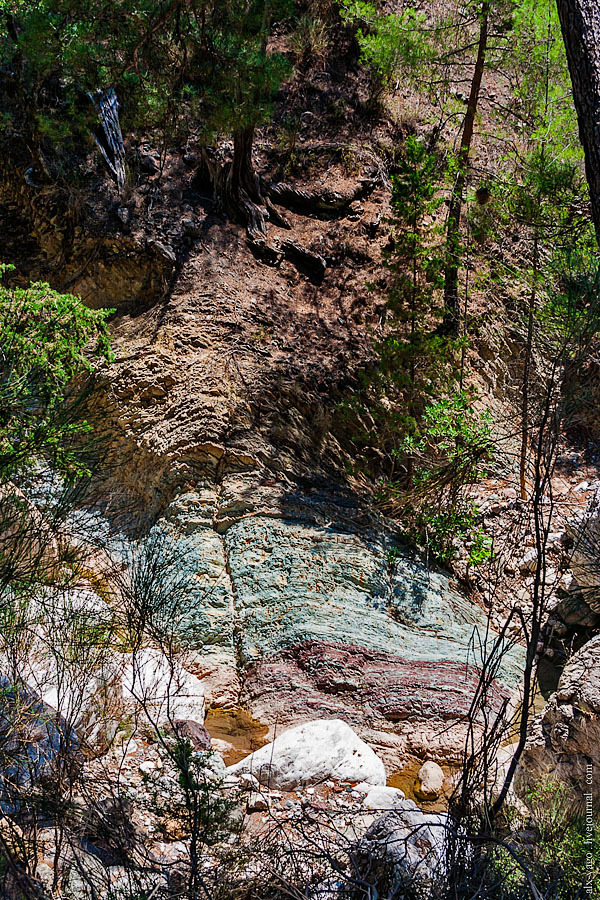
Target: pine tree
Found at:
x=410, y=351
x=202, y=63
x=580, y=23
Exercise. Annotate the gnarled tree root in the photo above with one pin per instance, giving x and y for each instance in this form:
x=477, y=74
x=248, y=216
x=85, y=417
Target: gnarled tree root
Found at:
x=323, y=201
x=311, y=264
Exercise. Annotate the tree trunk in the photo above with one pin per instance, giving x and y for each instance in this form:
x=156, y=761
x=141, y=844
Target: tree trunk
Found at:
x=526, y=373
x=580, y=23
x=451, y=299
x=243, y=196
x=243, y=176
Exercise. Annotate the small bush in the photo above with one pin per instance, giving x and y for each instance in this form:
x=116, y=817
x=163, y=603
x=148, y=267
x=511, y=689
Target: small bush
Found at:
x=449, y=451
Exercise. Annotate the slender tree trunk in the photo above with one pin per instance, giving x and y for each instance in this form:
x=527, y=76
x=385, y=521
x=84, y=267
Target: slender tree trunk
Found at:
x=410, y=463
x=451, y=300
x=537, y=224
x=580, y=23
x=544, y=450
x=526, y=371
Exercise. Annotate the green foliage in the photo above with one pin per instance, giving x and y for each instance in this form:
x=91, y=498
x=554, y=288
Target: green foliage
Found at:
x=543, y=189
x=310, y=40
x=449, y=451
x=415, y=360
x=545, y=200
x=206, y=66
x=571, y=313
x=453, y=432
x=434, y=447
x=562, y=852
x=390, y=42
x=547, y=194
x=415, y=259
x=49, y=343
x=537, y=64
x=196, y=802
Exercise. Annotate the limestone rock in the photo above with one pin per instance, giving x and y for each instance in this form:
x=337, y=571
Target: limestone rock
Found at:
x=564, y=740
x=194, y=732
x=402, y=844
x=90, y=694
x=86, y=879
x=222, y=747
x=72, y=685
x=300, y=615
x=312, y=753
x=429, y=781
x=217, y=670
x=165, y=689
x=34, y=739
x=383, y=797
x=528, y=563
x=244, y=781
x=498, y=771
x=45, y=874
x=325, y=629
x=573, y=609
x=26, y=541
x=257, y=802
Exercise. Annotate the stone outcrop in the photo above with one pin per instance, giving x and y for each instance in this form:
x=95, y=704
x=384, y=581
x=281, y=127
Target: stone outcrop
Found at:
x=403, y=845
x=303, y=607
x=92, y=690
x=219, y=436
x=313, y=753
x=564, y=740
x=33, y=740
x=580, y=604
x=322, y=618
x=382, y=797
x=76, y=253
x=162, y=687
x=26, y=542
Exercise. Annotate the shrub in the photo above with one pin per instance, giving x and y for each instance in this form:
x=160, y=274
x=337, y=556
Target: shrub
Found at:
x=49, y=342
x=559, y=851
x=448, y=452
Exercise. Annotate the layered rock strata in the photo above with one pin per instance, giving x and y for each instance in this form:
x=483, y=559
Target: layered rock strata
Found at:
x=304, y=608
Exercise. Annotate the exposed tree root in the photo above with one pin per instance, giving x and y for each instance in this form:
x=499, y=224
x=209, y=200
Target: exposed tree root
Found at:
x=325, y=201
x=272, y=256
x=305, y=260
x=250, y=200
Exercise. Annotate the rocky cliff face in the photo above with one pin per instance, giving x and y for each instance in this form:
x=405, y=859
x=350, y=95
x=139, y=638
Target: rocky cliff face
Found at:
x=564, y=740
x=61, y=236
x=310, y=613
x=217, y=416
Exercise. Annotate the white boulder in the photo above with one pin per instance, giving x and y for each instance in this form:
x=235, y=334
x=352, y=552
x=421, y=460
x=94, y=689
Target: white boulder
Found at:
x=92, y=693
x=402, y=845
x=312, y=753
x=429, y=781
x=382, y=797
x=528, y=563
